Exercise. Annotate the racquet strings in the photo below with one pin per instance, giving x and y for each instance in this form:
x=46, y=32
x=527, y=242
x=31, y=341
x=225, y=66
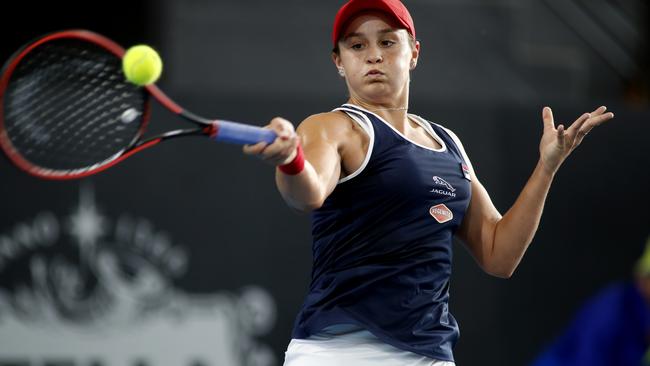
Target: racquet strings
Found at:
x=68, y=106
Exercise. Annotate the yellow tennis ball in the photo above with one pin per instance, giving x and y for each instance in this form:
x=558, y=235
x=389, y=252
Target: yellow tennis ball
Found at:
x=142, y=65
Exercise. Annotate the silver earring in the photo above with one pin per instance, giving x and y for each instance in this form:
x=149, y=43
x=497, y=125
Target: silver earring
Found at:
x=413, y=63
x=341, y=71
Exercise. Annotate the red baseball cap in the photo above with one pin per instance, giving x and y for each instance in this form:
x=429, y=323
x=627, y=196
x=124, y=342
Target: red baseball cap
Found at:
x=393, y=8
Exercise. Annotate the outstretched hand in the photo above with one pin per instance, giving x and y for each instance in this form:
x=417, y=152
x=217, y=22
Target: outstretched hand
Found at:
x=282, y=150
x=558, y=143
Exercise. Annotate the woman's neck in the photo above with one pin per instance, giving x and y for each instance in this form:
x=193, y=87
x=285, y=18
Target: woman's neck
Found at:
x=395, y=113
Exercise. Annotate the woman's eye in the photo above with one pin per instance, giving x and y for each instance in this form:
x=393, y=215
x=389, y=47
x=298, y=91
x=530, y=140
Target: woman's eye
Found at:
x=357, y=46
x=387, y=43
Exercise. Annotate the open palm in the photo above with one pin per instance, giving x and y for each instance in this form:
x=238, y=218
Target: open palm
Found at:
x=557, y=142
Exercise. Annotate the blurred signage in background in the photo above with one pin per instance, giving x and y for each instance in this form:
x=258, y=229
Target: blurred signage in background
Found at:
x=87, y=289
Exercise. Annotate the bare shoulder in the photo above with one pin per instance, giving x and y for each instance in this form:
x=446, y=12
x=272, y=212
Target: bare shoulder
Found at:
x=335, y=132
x=333, y=125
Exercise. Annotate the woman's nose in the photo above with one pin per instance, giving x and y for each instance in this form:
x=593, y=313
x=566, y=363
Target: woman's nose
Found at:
x=374, y=56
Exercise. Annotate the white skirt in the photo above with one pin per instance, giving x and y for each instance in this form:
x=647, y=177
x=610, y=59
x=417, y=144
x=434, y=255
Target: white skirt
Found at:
x=358, y=348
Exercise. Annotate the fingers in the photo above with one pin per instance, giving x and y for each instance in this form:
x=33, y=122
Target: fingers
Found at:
x=282, y=149
x=282, y=127
x=600, y=110
x=282, y=153
x=599, y=117
x=596, y=118
x=547, y=117
x=561, y=135
x=585, y=123
x=255, y=149
x=574, y=129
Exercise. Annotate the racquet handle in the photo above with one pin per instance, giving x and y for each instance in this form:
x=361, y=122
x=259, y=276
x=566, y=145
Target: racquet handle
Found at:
x=241, y=134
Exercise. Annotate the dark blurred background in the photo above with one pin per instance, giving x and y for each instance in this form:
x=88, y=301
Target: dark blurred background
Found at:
x=487, y=68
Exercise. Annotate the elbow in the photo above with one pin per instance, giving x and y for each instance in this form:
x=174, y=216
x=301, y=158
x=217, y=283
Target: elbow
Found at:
x=304, y=198
x=304, y=204
x=502, y=274
x=500, y=271
x=306, y=207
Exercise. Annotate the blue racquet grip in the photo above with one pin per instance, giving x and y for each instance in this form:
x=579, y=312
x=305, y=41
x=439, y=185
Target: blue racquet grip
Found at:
x=242, y=134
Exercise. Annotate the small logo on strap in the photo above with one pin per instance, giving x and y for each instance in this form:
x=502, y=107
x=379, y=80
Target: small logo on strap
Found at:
x=466, y=172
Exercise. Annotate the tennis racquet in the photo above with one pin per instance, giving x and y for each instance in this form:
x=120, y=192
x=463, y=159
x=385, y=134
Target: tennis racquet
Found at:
x=67, y=110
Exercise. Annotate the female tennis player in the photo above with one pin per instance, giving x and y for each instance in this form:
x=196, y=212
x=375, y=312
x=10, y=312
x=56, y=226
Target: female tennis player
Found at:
x=387, y=191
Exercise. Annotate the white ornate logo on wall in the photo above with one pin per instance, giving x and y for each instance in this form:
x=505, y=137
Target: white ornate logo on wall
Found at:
x=83, y=290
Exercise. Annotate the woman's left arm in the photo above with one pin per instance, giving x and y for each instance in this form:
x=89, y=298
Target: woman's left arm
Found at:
x=499, y=242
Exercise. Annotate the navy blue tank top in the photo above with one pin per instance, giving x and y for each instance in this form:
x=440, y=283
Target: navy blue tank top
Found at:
x=382, y=241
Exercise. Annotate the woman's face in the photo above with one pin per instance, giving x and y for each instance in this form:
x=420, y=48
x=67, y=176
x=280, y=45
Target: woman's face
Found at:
x=376, y=58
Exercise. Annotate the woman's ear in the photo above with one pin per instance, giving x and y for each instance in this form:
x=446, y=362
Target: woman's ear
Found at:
x=336, y=58
x=415, y=53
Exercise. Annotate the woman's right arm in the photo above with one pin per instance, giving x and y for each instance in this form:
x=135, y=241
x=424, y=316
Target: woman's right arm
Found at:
x=321, y=137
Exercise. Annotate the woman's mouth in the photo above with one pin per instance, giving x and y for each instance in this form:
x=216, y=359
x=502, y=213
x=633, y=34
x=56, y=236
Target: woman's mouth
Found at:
x=374, y=72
